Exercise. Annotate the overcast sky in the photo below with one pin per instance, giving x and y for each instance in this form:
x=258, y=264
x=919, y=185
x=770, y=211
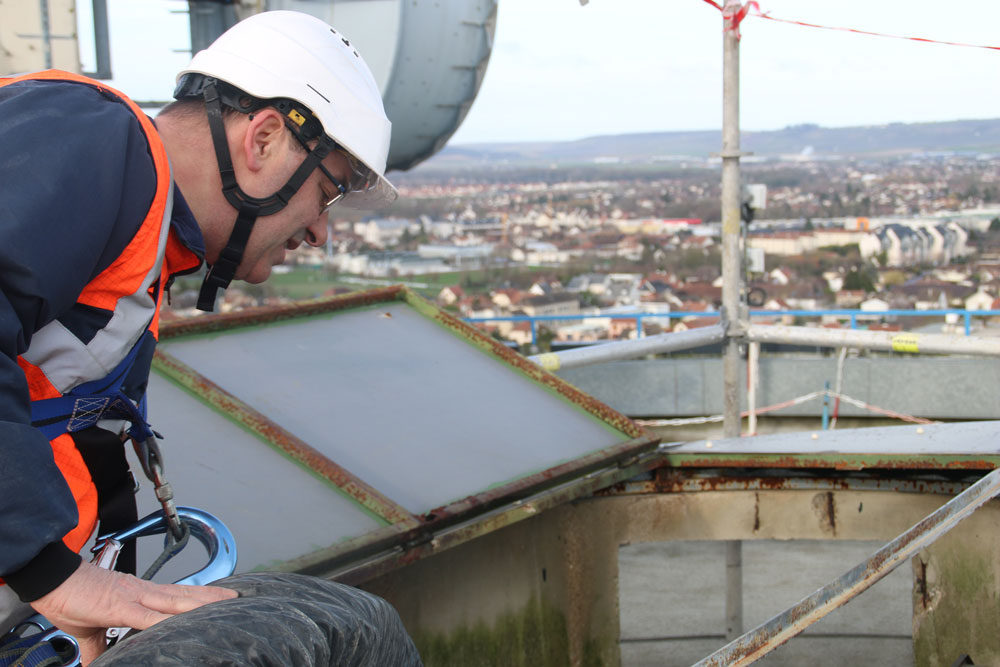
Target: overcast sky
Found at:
x=560, y=70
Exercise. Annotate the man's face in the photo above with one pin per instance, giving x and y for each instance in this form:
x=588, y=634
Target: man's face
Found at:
x=302, y=220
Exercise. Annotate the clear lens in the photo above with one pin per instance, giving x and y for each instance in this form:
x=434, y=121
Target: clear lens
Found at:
x=361, y=179
x=365, y=189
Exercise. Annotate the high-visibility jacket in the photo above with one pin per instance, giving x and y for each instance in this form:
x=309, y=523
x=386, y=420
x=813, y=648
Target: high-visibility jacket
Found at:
x=76, y=330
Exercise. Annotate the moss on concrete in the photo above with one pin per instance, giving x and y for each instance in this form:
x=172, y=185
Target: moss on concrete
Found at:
x=965, y=610
x=535, y=636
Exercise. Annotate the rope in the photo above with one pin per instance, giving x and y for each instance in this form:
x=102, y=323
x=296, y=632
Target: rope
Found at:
x=925, y=40
x=838, y=385
x=678, y=422
x=888, y=413
x=171, y=548
x=753, y=9
x=785, y=404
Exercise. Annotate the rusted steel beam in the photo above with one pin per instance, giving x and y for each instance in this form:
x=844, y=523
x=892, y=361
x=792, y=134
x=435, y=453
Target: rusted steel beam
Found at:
x=688, y=480
x=770, y=635
x=621, y=453
x=835, y=461
x=271, y=314
x=367, y=496
x=348, y=563
x=391, y=547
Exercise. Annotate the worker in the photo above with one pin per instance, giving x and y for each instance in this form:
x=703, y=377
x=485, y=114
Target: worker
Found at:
x=100, y=209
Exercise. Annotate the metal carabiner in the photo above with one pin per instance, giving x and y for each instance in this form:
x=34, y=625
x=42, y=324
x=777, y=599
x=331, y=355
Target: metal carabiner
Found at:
x=205, y=527
x=151, y=460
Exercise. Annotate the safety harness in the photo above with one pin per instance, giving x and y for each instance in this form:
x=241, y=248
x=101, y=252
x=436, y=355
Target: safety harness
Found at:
x=29, y=651
x=105, y=399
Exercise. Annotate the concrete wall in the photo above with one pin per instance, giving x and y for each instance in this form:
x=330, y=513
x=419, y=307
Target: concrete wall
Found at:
x=545, y=591
x=935, y=388
x=542, y=592
x=956, y=594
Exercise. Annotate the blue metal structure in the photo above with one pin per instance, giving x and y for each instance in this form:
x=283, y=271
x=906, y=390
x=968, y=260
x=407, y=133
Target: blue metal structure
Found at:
x=847, y=314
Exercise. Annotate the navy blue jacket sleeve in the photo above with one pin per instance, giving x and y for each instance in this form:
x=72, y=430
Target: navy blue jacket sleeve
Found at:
x=76, y=181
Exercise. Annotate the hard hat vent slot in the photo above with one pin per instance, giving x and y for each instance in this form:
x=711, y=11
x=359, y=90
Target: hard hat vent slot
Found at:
x=318, y=93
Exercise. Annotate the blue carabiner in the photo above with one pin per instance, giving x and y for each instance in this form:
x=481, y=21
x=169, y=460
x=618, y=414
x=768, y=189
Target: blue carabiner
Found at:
x=206, y=528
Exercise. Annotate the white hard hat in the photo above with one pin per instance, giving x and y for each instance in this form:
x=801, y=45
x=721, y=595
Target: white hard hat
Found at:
x=291, y=55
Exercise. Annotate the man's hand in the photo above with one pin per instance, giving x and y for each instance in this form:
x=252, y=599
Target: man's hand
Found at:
x=94, y=599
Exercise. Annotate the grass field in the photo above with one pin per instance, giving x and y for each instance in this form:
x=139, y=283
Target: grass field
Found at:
x=312, y=282
x=307, y=282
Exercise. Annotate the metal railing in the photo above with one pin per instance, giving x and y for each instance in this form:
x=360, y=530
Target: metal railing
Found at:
x=853, y=316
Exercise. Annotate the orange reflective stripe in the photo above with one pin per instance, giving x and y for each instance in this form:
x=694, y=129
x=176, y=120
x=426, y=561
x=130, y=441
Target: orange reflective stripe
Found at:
x=74, y=470
x=119, y=288
x=122, y=278
x=39, y=387
x=126, y=273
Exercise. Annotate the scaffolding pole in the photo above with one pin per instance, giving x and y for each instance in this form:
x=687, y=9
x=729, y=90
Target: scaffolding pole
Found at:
x=630, y=349
x=895, y=341
x=731, y=218
x=731, y=190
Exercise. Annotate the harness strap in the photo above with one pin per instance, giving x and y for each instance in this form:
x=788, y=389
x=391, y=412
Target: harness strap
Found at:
x=90, y=402
x=104, y=456
x=249, y=208
x=30, y=651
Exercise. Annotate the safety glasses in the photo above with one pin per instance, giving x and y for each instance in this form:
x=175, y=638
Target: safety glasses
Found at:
x=327, y=201
x=362, y=183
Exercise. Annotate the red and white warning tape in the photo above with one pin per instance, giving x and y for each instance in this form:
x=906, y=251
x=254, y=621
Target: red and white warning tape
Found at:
x=687, y=421
x=752, y=8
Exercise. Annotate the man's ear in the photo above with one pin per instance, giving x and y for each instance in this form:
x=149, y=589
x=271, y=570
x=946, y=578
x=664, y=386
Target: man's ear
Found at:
x=264, y=136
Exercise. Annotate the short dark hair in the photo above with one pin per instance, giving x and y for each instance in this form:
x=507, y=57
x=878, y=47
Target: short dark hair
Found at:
x=193, y=108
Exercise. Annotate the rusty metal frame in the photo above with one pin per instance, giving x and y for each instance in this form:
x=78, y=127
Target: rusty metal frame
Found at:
x=275, y=314
x=407, y=534
x=698, y=480
x=340, y=561
x=773, y=633
x=834, y=461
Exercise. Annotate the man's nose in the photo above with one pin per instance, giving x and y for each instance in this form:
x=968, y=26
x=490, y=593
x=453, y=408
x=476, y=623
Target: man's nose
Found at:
x=317, y=232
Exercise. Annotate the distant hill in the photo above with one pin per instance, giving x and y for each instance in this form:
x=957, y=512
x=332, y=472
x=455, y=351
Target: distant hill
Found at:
x=977, y=136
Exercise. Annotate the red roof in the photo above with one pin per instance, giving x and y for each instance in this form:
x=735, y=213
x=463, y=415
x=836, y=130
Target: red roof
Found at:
x=699, y=322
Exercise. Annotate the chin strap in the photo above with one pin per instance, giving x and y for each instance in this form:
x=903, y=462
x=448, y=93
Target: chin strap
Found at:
x=248, y=208
x=221, y=273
